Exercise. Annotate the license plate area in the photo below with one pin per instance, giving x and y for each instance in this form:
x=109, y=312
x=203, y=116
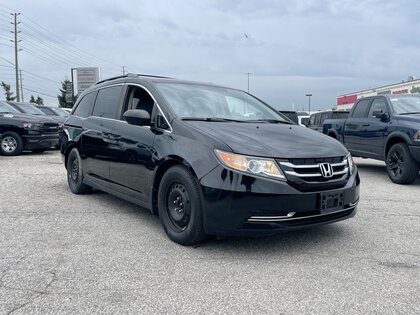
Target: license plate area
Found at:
x=331, y=202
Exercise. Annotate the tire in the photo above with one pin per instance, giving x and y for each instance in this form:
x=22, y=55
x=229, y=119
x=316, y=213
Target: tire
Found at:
x=11, y=143
x=180, y=207
x=39, y=150
x=401, y=167
x=75, y=174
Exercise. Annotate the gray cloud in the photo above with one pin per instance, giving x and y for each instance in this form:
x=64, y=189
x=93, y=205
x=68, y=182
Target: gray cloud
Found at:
x=327, y=47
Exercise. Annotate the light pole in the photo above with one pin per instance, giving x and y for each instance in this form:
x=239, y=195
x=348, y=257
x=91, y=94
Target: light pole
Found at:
x=248, y=73
x=309, y=96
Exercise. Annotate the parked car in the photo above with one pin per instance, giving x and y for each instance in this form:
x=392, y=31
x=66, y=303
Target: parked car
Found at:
x=53, y=111
x=303, y=120
x=20, y=131
x=316, y=120
x=385, y=128
x=209, y=160
x=26, y=108
x=291, y=114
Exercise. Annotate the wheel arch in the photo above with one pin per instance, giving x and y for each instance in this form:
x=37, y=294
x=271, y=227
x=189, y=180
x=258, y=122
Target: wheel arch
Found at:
x=393, y=139
x=169, y=162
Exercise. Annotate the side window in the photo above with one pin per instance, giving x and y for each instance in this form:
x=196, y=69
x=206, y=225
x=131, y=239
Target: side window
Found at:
x=323, y=117
x=361, y=109
x=317, y=119
x=84, y=108
x=378, y=106
x=107, y=102
x=138, y=98
x=161, y=121
x=311, y=120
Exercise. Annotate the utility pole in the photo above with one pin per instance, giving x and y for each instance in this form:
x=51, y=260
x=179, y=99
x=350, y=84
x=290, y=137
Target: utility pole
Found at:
x=21, y=84
x=16, y=41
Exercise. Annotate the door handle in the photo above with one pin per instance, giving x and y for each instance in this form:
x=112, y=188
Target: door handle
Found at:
x=365, y=125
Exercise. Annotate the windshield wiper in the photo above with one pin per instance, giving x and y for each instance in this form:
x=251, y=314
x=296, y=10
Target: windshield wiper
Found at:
x=409, y=113
x=272, y=121
x=212, y=119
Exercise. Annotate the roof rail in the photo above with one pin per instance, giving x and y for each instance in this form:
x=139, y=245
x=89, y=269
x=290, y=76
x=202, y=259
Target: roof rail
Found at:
x=153, y=76
x=112, y=78
x=132, y=75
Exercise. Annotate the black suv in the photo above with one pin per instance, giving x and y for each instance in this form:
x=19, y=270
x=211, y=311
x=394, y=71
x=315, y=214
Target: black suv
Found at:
x=209, y=160
x=20, y=131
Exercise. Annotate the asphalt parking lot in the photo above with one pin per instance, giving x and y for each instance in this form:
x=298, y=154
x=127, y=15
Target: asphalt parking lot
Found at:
x=62, y=253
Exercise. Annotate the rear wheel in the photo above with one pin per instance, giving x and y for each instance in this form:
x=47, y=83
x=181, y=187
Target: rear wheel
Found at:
x=11, y=143
x=401, y=166
x=180, y=207
x=75, y=173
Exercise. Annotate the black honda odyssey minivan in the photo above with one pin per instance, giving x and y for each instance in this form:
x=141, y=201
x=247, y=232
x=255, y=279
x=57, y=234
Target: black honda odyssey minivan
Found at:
x=209, y=160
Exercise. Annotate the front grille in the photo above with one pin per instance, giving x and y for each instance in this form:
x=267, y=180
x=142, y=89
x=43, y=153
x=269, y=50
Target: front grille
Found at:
x=49, y=128
x=306, y=174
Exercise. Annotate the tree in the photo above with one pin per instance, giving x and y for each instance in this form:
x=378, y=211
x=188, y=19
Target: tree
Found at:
x=7, y=92
x=62, y=96
x=39, y=100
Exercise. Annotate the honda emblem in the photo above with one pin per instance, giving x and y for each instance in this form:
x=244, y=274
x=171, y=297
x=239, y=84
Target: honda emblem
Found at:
x=326, y=170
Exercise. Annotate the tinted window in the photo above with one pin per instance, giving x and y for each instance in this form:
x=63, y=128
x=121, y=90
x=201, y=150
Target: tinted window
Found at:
x=323, y=117
x=361, y=109
x=378, y=106
x=107, y=102
x=317, y=119
x=85, y=106
x=312, y=120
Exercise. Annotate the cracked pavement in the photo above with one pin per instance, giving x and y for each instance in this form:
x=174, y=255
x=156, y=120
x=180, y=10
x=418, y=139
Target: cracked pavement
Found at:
x=61, y=253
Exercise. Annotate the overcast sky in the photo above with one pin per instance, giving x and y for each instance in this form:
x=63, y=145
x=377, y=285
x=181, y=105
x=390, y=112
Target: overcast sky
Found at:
x=290, y=48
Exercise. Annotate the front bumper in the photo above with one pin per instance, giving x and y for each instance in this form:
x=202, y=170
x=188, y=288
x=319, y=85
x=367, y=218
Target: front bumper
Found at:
x=236, y=204
x=41, y=141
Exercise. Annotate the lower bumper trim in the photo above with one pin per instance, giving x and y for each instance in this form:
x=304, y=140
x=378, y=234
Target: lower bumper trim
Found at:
x=289, y=217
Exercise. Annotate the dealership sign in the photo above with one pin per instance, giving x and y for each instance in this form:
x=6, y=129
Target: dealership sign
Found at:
x=86, y=77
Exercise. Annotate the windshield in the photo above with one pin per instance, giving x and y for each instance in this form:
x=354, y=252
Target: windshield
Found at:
x=60, y=112
x=7, y=109
x=47, y=111
x=206, y=102
x=406, y=104
x=29, y=109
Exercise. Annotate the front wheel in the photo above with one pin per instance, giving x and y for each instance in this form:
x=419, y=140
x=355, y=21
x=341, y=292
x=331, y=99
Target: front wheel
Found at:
x=75, y=173
x=11, y=143
x=180, y=206
x=401, y=166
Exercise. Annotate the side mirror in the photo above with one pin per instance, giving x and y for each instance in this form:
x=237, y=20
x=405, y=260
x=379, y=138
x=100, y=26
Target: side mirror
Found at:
x=382, y=116
x=138, y=117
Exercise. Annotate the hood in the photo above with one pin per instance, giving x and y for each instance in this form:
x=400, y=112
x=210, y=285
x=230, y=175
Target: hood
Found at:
x=271, y=140
x=27, y=118
x=412, y=119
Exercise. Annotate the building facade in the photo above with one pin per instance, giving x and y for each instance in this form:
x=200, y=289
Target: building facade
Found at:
x=411, y=86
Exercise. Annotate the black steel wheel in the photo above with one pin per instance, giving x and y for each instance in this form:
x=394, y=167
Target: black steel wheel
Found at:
x=11, y=143
x=75, y=174
x=401, y=166
x=180, y=206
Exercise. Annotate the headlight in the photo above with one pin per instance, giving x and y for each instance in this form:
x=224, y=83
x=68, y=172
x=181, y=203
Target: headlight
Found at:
x=350, y=163
x=31, y=126
x=250, y=164
x=416, y=136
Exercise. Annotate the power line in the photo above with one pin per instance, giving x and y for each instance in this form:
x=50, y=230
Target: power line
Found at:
x=41, y=77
